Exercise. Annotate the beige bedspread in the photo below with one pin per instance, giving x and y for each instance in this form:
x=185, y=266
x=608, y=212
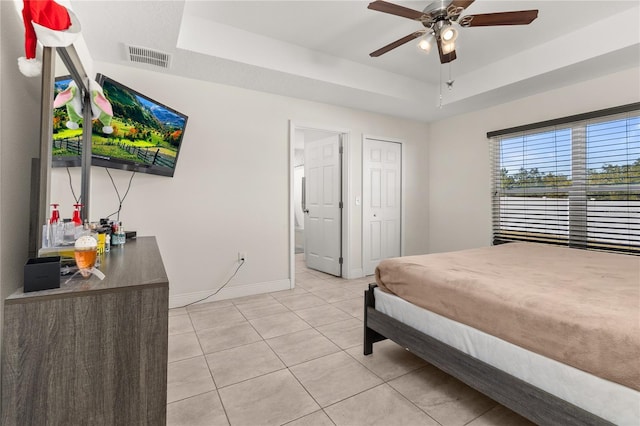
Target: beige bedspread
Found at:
x=579, y=307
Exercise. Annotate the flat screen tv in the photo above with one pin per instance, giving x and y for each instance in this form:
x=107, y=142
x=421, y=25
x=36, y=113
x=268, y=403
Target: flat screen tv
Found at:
x=147, y=135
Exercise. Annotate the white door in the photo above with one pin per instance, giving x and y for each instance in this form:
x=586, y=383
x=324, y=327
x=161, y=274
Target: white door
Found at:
x=322, y=219
x=381, y=207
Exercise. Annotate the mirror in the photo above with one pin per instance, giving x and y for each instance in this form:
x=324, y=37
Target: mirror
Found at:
x=57, y=62
x=66, y=174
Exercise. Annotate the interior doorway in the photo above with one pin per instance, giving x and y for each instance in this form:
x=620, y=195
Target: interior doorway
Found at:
x=317, y=189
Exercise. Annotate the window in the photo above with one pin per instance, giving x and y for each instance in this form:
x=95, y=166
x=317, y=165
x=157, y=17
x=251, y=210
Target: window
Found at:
x=572, y=181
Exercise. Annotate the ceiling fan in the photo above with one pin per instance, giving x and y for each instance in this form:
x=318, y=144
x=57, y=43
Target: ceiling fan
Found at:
x=438, y=19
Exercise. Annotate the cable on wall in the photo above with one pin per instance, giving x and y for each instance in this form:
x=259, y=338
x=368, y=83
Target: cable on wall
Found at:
x=218, y=290
x=120, y=200
x=77, y=200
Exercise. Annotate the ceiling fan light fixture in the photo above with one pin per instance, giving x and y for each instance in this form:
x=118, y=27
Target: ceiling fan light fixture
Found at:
x=448, y=34
x=447, y=47
x=425, y=44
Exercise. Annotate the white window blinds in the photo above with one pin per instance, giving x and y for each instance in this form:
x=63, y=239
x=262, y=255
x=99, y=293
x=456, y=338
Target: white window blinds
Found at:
x=574, y=183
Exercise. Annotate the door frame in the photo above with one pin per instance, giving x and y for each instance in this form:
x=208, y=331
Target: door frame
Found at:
x=402, y=191
x=346, y=193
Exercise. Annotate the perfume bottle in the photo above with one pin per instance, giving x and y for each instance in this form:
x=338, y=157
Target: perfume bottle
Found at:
x=117, y=234
x=55, y=214
x=76, y=215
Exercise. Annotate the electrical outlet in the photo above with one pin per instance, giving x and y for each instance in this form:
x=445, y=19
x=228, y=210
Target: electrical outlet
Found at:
x=242, y=256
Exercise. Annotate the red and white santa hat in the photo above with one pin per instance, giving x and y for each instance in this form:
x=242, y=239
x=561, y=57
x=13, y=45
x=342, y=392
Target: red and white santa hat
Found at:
x=50, y=23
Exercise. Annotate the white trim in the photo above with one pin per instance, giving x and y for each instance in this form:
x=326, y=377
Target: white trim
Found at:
x=346, y=197
x=403, y=198
x=292, y=226
x=402, y=192
x=346, y=187
x=356, y=273
x=179, y=300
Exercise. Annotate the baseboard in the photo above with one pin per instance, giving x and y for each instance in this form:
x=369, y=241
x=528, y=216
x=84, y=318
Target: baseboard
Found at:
x=355, y=273
x=229, y=292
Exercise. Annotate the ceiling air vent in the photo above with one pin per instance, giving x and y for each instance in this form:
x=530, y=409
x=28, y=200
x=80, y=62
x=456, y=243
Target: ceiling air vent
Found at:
x=148, y=56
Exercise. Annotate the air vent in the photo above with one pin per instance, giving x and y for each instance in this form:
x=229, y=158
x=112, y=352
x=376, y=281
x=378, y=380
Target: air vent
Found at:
x=148, y=56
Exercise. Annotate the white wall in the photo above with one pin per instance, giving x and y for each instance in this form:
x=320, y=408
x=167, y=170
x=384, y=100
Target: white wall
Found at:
x=19, y=142
x=230, y=192
x=459, y=171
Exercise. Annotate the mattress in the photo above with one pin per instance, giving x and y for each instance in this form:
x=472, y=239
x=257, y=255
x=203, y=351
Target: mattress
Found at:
x=580, y=308
x=611, y=401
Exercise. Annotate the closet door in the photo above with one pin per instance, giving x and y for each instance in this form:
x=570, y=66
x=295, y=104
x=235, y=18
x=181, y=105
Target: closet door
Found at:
x=382, y=201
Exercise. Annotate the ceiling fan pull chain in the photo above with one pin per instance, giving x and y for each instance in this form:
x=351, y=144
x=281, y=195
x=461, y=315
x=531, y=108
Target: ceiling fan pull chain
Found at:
x=440, y=88
x=450, y=81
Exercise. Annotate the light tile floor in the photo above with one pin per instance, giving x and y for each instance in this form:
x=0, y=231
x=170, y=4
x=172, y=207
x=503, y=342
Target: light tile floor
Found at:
x=295, y=357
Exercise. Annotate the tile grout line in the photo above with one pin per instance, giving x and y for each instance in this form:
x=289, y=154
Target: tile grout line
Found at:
x=483, y=413
x=386, y=382
x=263, y=339
x=215, y=385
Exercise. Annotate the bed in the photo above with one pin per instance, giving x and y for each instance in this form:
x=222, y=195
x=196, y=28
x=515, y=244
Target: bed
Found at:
x=551, y=332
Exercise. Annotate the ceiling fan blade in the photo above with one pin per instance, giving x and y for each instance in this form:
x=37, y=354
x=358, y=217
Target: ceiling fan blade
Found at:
x=461, y=3
x=394, y=9
x=445, y=57
x=522, y=17
x=397, y=43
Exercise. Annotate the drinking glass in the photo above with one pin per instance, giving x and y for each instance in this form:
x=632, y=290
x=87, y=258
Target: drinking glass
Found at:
x=86, y=252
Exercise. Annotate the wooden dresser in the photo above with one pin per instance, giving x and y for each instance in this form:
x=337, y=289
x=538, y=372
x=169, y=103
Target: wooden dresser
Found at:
x=92, y=352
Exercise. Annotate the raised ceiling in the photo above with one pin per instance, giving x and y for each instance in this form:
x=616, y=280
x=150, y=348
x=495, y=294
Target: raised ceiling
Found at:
x=319, y=50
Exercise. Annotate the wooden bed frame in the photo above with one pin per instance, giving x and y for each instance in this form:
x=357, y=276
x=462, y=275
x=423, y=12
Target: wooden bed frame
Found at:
x=525, y=399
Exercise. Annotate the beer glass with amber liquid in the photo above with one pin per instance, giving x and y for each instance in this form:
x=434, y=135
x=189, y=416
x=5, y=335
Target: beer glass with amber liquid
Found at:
x=86, y=252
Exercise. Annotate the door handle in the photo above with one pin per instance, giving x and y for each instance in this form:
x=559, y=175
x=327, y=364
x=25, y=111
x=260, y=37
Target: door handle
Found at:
x=304, y=197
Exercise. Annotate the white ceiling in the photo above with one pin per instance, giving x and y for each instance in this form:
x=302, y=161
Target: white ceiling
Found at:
x=319, y=50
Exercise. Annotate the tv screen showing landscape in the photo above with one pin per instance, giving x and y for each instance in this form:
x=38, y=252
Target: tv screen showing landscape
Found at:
x=146, y=137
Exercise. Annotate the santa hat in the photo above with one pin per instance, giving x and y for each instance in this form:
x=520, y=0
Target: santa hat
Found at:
x=50, y=23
